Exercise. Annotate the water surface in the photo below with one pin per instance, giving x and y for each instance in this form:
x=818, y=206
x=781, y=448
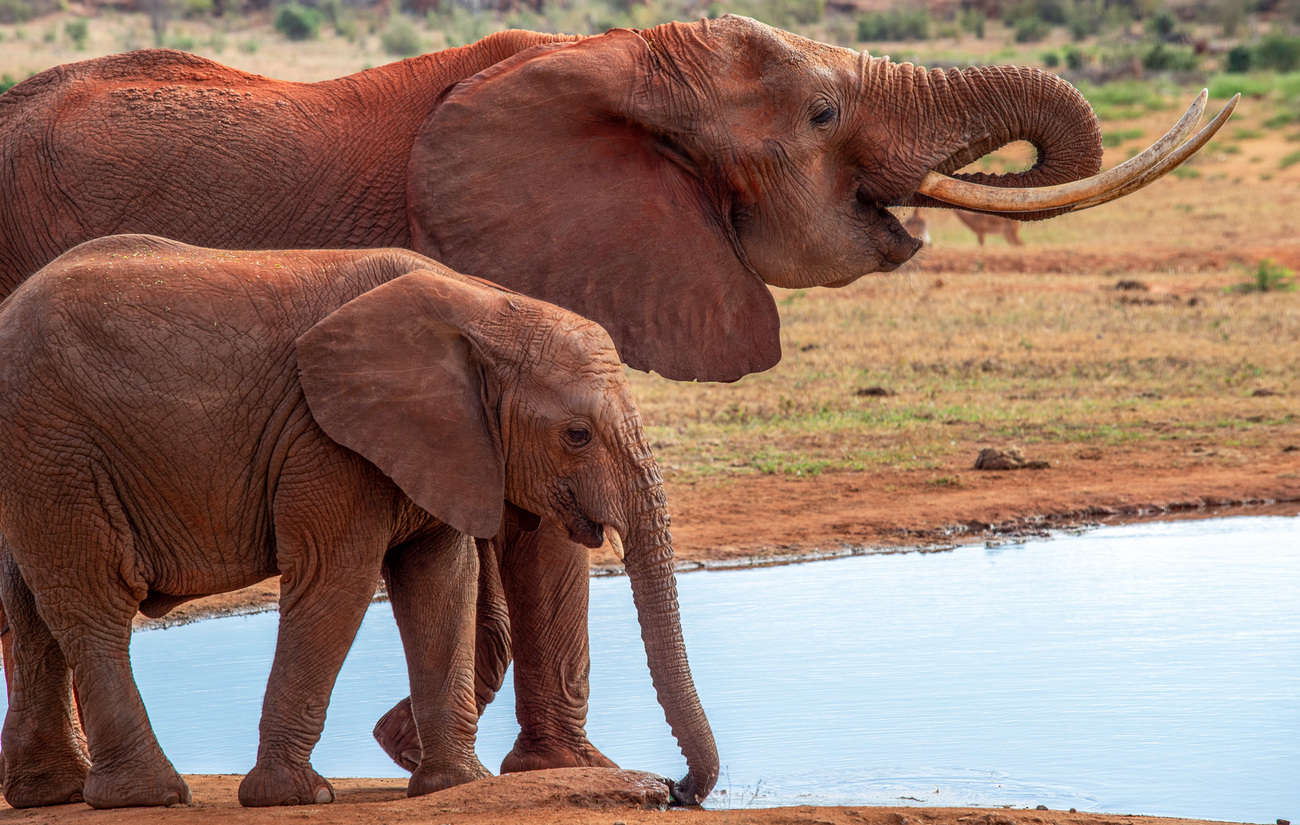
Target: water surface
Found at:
x=1144, y=669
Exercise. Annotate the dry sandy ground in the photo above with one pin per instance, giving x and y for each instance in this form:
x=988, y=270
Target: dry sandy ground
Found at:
x=562, y=797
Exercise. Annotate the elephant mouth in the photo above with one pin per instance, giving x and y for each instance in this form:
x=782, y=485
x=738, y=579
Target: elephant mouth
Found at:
x=586, y=532
x=893, y=245
x=581, y=528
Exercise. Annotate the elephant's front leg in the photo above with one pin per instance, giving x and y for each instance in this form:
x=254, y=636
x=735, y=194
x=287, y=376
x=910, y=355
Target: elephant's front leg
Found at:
x=545, y=579
x=327, y=579
x=433, y=585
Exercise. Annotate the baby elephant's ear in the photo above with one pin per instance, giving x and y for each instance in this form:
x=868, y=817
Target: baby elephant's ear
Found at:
x=392, y=376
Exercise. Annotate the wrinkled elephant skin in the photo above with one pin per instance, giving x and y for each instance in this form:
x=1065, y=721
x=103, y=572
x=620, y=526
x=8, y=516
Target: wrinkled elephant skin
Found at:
x=183, y=421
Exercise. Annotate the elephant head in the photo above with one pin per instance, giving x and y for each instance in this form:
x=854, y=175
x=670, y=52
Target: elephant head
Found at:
x=469, y=397
x=657, y=180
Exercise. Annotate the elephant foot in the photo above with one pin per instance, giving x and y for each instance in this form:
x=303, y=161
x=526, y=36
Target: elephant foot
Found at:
x=41, y=789
x=123, y=788
x=267, y=786
x=428, y=779
x=397, y=735
x=540, y=758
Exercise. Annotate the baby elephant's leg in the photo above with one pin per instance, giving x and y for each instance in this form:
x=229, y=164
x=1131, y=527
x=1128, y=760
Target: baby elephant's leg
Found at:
x=328, y=568
x=76, y=563
x=433, y=584
x=46, y=764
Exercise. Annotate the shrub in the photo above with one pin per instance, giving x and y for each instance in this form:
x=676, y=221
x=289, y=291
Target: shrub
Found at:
x=1278, y=51
x=7, y=82
x=1031, y=29
x=1239, y=59
x=1162, y=58
x=1051, y=60
x=297, y=22
x=16, y=11
x=972, y=20
x=1075, y=59
x=895, y=24
x=1268, y=276
x=1085, y=18
x=1163, y=25
x=78, y=32
x=400, y=38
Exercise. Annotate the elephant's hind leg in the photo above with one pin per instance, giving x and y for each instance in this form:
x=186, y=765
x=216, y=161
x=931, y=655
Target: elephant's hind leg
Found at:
x=77, y=564
x=45, y=760
x=396, y=731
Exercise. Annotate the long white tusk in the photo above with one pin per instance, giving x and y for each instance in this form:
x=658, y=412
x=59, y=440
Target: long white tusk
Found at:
x=1033, y=199
x=1170, y=163
x=615, y=541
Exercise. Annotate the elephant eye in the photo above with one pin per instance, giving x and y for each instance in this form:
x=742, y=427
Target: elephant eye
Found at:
x=825, y=114
x=577, y=435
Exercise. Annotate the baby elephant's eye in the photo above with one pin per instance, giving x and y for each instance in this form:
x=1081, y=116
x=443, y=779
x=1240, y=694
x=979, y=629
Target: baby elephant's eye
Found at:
x=826, y=113
x=577, y=436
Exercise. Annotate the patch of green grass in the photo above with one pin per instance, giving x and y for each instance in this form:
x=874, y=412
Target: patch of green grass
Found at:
x=1269, y=276
x=1186, y=172
x=1114, y=138
x=1289, y=160
x=1224, y=86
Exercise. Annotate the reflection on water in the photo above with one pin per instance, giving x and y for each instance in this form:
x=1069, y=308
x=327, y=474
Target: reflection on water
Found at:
x=1146, y=669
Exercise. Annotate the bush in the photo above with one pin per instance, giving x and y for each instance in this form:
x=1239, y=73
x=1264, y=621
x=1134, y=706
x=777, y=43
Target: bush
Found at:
x=16, y=11
x=1075, y=59
x=7, y=82
x=400, y=39
x=895, y=24
x=1051, y=60
x=78, y=32
x=1085, y=18
x=1163, y=25
x=297, y=22
x=1267, y=277
x=1279, y=52
x=972, y=20
x=1239, y=59
x=1162, y=58
x=1032, y=29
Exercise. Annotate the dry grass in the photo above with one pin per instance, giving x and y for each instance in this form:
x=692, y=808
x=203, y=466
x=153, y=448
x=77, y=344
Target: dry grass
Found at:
x=989, y=358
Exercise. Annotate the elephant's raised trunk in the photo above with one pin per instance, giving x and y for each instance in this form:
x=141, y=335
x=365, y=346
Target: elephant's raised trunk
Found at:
x=972, y=112
x=649, y=562
x=983, y=109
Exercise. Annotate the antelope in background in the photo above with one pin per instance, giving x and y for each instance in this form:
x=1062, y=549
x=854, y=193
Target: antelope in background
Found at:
x=979, y=223
x=982, y=225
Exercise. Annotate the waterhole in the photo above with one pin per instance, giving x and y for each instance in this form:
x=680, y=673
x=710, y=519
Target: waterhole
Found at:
x=1144, y=669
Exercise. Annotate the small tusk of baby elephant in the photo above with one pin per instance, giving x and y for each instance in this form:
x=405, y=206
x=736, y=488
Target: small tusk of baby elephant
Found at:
x=1151, y=164
x=615, y=541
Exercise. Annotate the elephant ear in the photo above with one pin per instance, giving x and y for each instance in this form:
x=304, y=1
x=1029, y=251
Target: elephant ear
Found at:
x=554, y=172
x=391, y=375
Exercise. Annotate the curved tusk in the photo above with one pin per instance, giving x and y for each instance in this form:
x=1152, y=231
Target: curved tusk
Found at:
x=1173, y=161
x=1034, y=199
x=615, y=541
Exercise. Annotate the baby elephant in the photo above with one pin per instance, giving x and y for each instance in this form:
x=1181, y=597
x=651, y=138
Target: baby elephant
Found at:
x=177, y=421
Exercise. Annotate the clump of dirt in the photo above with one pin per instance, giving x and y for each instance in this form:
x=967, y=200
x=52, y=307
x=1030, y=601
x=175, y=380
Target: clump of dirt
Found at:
x=1007, y=458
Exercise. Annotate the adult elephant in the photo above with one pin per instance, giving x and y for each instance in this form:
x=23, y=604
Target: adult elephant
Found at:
x=655, y=181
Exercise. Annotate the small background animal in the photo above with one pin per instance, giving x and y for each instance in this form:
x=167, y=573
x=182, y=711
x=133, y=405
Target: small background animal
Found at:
x=982, y=225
